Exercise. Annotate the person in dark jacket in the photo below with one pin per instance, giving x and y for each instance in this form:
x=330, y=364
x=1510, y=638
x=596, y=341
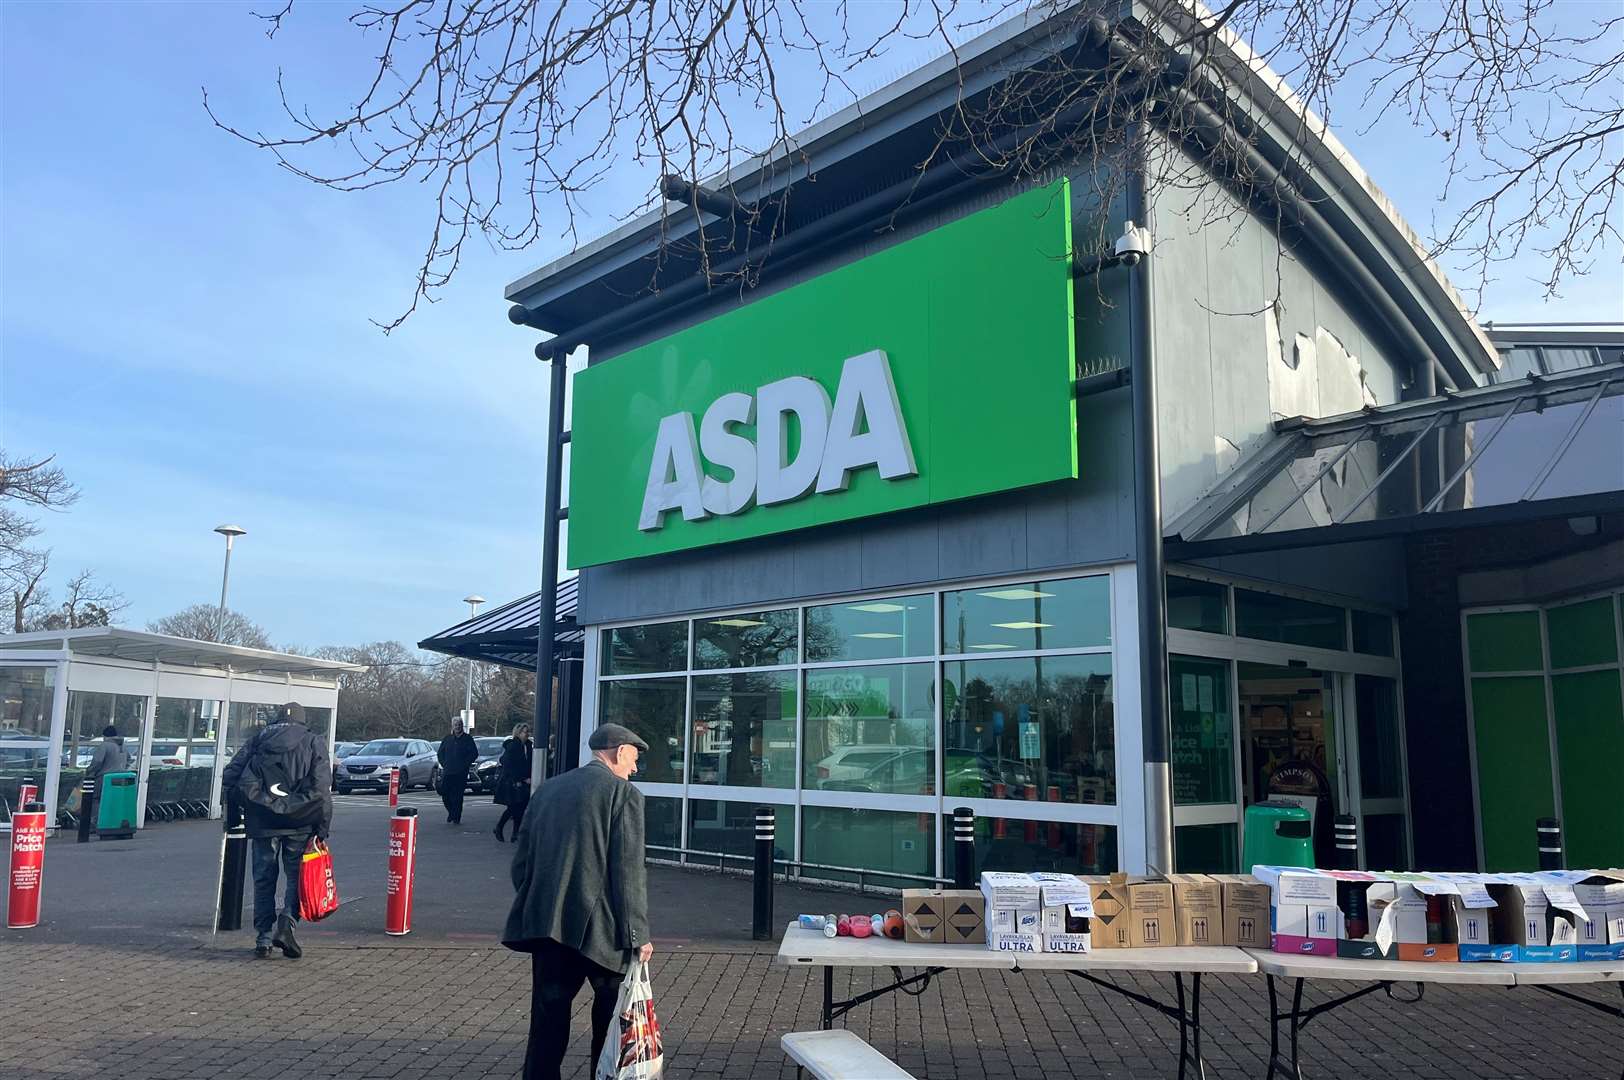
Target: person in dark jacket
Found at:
x=458, y=752
x=282, y=781
x=110, y=756
x=582, y=906
x=513, y=780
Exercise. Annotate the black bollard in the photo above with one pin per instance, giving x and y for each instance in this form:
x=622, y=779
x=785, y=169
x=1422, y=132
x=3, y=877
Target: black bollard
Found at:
x=233, y=870
x=1548, y=831
x=964, y=848
x=761, y=923
x=87, y=808
x=1346, y=828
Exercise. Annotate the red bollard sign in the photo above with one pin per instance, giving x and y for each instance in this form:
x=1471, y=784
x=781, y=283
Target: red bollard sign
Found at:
x=394, y=785
x=27, y=869
x=27, y=793
x=402, y=868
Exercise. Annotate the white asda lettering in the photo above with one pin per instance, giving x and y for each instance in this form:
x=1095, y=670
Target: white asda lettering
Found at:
x=863, y=427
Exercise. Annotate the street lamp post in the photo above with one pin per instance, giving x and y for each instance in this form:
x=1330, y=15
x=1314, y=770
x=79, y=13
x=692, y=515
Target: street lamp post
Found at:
x=473, y=600
x=230, y=532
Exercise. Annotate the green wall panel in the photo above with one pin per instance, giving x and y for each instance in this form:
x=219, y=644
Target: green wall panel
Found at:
x=1513, y=768
x=1504, y=641
x=1590, y=751
x=975, y=321
x=1583, y=634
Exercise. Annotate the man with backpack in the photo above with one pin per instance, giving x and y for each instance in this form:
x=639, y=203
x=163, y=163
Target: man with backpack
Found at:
x=282, y=780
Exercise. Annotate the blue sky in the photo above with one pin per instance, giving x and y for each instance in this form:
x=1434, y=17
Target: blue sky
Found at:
x=186, y=327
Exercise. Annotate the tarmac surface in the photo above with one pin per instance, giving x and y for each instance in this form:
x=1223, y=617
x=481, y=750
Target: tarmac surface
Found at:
x=123, y=979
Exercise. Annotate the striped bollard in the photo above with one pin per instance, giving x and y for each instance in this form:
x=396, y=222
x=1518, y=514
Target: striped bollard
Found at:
x=1549, y=833
x=761, y=921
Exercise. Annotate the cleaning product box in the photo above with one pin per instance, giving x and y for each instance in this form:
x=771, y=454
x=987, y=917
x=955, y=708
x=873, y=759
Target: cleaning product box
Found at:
x=1007, y=890
x=1246, y=911
x=1014, y=920
x=1522, y=919
x=1030, y=943
x=1066, y=913
x=1565, y=912
x=1456, y=912
x=1601, y=926
x=1108, y=895
x=1355, y=923
x=1012, y=913
x=1399, y=915
x=1198, y=901
x=1151, y=914
x=964, y=917
x=924, y=918
x=1303, y=916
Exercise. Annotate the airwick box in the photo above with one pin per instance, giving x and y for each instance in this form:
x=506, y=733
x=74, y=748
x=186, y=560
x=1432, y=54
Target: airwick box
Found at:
x=943, y=916
x=1246, y=910
x=1066, y=913
x=1198, y=903
x=1303, y=917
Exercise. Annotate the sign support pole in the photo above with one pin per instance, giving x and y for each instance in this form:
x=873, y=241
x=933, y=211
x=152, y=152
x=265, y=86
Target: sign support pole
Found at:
x=546, y=631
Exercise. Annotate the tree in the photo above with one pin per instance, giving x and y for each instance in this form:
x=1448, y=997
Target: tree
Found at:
x=88, y=603
x=27, y=483
x=26, y=572
x=510, y=111
x=201, y=622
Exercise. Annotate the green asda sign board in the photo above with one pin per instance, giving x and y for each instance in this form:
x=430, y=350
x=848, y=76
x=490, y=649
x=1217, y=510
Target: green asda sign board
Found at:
x=938, y=369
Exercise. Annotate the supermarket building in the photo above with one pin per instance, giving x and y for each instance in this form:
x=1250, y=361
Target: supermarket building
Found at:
x=956, y=505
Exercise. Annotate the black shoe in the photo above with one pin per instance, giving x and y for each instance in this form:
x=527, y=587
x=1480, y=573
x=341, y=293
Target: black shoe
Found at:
x=515, y=839
x=261, y=952
x=500, y=839
x=285, y=940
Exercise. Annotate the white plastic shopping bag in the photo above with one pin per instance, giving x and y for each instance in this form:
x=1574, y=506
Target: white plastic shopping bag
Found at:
x=632, y=1050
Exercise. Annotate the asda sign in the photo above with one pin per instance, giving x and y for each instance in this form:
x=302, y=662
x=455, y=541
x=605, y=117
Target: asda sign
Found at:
x=938, y=369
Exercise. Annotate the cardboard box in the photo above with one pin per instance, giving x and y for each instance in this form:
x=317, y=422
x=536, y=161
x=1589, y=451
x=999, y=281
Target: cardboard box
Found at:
x=1246, y=911
x=1031, y=943
x=1005, y=920
x=1151, y=914
x=1600, y=928
x=943, y=917
x=1109, y=898
x=1521, y=920
x=1303, y=916
x=1006, y=890
x=1067, y=905
x=1198, y=903
x=1067, y=943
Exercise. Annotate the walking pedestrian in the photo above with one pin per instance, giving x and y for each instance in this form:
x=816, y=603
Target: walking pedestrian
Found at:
x=513, y=779
x=582, y=906
x=282, y=780
x=110, y=756
x=458, y=752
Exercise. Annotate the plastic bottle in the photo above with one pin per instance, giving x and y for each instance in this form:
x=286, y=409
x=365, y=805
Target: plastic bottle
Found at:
x=810, y=922
x=843, y=926
x=1356, y=910
x=831, y=926
x=1435, y=920
x=861, y=927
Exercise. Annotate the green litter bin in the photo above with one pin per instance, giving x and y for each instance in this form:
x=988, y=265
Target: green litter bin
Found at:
x=115, y=809
x=1278, y=833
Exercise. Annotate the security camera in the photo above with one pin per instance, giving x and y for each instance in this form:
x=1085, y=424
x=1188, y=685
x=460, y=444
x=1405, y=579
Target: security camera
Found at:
x=1134, y=244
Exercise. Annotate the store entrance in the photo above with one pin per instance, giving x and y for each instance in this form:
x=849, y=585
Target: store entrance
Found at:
x=1289, y=743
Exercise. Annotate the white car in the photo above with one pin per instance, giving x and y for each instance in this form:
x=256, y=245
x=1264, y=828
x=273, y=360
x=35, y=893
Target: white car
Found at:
x=854, y=762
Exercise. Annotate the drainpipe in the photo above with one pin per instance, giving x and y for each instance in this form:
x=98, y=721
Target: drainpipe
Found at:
x=1149, y=568
x=547, y=628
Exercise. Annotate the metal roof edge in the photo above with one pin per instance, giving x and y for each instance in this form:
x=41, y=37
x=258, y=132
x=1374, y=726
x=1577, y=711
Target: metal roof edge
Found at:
x=68, y=637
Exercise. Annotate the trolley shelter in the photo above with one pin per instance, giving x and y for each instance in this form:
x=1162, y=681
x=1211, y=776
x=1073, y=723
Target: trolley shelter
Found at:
x=183, y=708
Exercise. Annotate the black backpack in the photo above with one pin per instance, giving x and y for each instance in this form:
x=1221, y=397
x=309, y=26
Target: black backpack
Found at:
x=268, y=783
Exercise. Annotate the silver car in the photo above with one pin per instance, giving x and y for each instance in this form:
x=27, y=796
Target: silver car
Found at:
x=368, y=768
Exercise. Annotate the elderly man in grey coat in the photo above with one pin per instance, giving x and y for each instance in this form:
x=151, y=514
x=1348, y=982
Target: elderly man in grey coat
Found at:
x=582, y=906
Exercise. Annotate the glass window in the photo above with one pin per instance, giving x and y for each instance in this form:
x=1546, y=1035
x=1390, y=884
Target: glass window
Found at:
x=858, y=720
x=25, y=730
x=1504, y=641
x=1066, y=614
x=1035, y=728
x=1024, y=846
x=662, y=823
x=730, y=828
x=1381, y=768
x=190, y=723
x=744, y=729
x=760, y=639
x=881, y=840
x=1197, y=605
x=1206, y=849
x=1268, y=617
x=1203, y=731
x=1372, y=633
x=248, y=718
x=896, y=626
x=1582, y=635
x=654, y=708
x=636, y=650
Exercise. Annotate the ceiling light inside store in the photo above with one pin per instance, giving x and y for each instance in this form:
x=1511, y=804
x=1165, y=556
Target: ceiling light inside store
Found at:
x=1023, y=625
x=877, y=635
x=992, y=645
x=879, y=608
x=1016, y=594
x=737, y=622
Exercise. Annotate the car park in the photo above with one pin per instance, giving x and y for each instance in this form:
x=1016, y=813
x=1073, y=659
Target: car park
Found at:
x=341, y=752
x=487, y=769
x=368, y=768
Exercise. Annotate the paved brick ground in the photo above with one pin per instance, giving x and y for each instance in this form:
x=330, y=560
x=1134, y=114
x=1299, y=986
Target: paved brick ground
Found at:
x=124, y=982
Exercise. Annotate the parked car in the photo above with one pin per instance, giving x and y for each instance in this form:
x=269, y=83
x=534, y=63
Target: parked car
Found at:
x=341, y=752
x=854, y=762
x=368, y=768
x=487, y=770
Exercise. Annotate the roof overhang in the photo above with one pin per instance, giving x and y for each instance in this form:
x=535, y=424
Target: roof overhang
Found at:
x=135, y=645
x=507, y=634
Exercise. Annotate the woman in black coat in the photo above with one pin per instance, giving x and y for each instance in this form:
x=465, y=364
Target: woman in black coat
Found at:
x=513, y=786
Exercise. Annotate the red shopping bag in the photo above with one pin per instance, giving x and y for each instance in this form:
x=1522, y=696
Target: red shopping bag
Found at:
x=318, y=892
x=634, y=1049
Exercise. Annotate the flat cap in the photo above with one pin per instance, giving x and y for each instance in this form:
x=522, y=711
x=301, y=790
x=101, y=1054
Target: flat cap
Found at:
x=610, y=736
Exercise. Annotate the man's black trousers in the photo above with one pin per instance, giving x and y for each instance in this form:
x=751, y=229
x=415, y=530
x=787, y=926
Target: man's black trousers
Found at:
x=452, y=784
x=556, y=975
